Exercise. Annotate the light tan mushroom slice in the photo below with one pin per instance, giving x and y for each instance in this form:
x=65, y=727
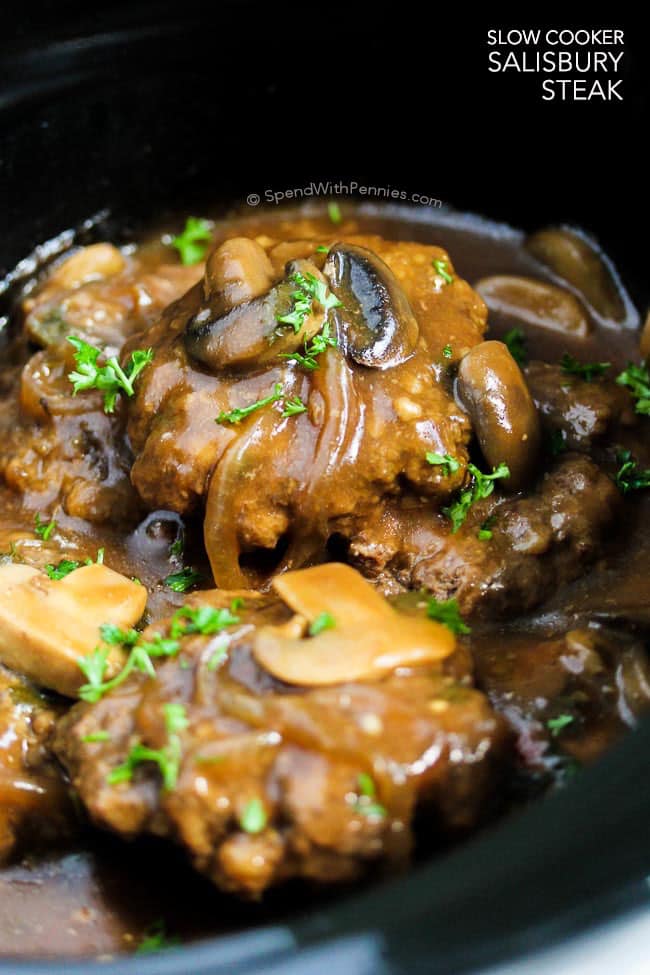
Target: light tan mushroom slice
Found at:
x=93, y=263
x=238, y=271
x=534, y=302
x=335, y=588
x=46, y=624
x=368, y=638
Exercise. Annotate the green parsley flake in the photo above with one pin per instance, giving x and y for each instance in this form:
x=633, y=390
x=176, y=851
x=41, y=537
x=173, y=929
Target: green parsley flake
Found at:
x=205, y=620
x=557, y=725
x=365, y=804
x=324, y=621
x=637, y=380
x=218, y=655
x=309, y=289
x=184, y=580
x=447, y=351
x=139, y=659
x=177, y=547
x=66, y=566
x=366, y=785
x=334, y=212
x=44, y=529
x=629, y=477
x=481, y=486
x=516, y=341
x=253, y=818
x=167, y=759
x=449, y=464
x=318, y=345
x=485, y=532
x=155, y=939
x=442, y=268
x=557, y=443
x=192, y=244
x=110, y=378
x=446, y=611
x=293, y=406
x=240, y=413
x=96, y=736
x=587, y=371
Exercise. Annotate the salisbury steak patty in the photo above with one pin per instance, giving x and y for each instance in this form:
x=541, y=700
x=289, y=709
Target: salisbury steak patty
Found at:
x=510, y=554
x=275, y=781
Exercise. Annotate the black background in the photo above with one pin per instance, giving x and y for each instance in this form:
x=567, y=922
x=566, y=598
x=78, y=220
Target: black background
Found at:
x=254, y=96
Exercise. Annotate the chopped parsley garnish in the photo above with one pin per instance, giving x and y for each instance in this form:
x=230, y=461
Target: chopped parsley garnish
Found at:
x=237, y=602
x=334, y=212
x=324, y=621
x=293, y=406
x=448, y=463
x=309, y=288
x=322, y=249
x=139, y=659
x=110, y=378
x=442, y=268
x=240, y=413
x=116, y=636
x=253, y=818
x=446, y=611
x=485, y=532
x=556, y=725
x=204, y=620
x=209, y=759
x=365, y=803
x=637, y=380
x=168, y=758
x=156, y=938
x=557, y=443
x=366, y=785
x=44, y=529
x=516, y=341
x=629, y=477
x=447, y=351
x=481, y=486
x=300, y=309
x=176, y=548
x=313, y=348
x=96, y=736
x=586, y=371
x=218, y=655
x=184, y=580
x=66, y=566
x=192, y=244
x=63, y=569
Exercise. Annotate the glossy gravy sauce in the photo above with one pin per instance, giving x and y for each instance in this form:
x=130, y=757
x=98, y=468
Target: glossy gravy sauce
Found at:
x=99, y=897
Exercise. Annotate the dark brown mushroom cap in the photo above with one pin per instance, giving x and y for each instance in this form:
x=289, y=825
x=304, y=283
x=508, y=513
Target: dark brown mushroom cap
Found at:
x=375, y=324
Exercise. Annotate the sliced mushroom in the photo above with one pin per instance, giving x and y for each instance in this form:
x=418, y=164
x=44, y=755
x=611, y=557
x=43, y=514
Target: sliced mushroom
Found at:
x=46, y=625
x=577, y=260
x=93, y=263
x=367, y=638
x=376, y=326
x=492, y=388
x=535, y=303
x=250, y=333
x=237, y=271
